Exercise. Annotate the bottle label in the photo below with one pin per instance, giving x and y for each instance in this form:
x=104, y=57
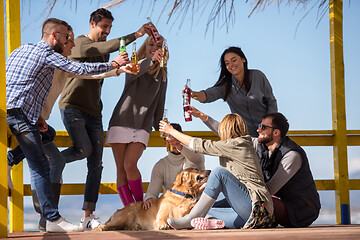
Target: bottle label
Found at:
x=122, y=48
x=186, y=99
x=155, y=34
x=187, y=115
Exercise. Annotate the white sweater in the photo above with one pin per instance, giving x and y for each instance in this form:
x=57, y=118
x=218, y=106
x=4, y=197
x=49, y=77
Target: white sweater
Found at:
x=166, y=169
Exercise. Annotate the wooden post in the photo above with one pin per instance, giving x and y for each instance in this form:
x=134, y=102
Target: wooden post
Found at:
x=16, y=203
x=341, y=175
x=3, y=133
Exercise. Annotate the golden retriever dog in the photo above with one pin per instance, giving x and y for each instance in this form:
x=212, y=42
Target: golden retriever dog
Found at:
x=174, y=203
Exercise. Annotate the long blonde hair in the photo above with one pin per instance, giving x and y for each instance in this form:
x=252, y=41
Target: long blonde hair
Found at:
x=154, y=70
x=232, y=126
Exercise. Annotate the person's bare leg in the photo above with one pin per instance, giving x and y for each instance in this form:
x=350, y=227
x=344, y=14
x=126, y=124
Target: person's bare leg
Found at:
x=119, y=151
x=133, y=153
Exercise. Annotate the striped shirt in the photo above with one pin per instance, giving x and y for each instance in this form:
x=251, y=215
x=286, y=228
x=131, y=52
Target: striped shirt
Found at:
x=29, y=74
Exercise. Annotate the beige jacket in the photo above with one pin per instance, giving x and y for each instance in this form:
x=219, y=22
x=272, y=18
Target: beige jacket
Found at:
x=239, y=157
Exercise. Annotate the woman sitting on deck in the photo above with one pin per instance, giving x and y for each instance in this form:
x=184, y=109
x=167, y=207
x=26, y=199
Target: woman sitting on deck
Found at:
x=239, y=178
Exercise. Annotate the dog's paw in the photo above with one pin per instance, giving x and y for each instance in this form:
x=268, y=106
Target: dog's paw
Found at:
x=99, y=228
x=164, y=227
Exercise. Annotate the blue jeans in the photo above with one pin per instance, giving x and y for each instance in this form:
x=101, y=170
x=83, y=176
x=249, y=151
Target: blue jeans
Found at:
x=87, y=135
x=56, y=160
x=29, y=139
x=236, y=194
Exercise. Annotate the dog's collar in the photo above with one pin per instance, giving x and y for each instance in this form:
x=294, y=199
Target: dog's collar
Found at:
x=182, y=194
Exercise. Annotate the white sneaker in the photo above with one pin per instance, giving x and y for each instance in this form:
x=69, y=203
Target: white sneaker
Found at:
x=89, y=222
x=10, y=183
x=61, y=225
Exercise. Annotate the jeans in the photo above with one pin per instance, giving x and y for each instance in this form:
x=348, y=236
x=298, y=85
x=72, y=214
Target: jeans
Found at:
x=87, y=135
x=29, y=139
x=236, y=194
x=56, y=160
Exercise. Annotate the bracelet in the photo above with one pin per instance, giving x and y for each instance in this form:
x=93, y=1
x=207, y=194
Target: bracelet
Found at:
x=116, y=63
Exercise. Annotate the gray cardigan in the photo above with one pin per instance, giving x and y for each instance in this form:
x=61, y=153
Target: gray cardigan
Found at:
x=252, y=105
x=141, y=104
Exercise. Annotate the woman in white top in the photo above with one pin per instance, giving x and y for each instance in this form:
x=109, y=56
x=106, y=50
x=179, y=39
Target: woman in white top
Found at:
x=138, y=110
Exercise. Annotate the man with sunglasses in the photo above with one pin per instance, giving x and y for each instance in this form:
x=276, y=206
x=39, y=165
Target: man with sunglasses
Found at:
x=29, y=74
x=286, y=171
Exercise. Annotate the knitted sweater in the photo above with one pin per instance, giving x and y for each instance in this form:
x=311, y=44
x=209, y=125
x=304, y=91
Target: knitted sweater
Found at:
x=86, y=94
x=166, y=169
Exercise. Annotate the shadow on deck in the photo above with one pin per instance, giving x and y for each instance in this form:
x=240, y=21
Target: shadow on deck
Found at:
x=324, y=232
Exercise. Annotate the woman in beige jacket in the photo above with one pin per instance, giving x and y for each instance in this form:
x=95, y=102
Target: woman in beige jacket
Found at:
x=239, y=178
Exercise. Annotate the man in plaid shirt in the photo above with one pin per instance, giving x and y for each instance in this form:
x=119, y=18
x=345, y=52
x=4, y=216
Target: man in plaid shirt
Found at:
x=29, y=73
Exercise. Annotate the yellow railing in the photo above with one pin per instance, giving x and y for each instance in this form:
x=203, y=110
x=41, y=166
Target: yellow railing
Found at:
x=303, y=138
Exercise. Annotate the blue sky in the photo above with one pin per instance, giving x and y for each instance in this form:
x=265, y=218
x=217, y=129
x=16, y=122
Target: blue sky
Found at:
x=295, y=60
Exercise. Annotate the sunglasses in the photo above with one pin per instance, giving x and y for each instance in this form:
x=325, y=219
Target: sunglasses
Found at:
x=263, y=127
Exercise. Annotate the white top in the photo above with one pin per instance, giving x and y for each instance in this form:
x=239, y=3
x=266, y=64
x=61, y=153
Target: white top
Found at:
x=166, y=169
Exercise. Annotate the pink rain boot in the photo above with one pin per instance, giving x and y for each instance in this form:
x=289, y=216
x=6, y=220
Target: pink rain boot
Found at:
x=137, y=189
x=125, y=194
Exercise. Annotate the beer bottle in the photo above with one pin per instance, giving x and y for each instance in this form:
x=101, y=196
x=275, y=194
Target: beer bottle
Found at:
x=169, y=148
x=186, y=101
x=154, y=32
x=165, y=52
x=122, y=48
x=134, y=60
x=165, y=119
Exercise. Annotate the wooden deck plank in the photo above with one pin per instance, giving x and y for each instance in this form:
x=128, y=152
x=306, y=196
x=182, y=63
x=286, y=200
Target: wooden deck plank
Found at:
x=323, y=232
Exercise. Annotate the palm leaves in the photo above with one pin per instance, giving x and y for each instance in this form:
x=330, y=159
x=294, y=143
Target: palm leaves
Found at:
x=222, y=12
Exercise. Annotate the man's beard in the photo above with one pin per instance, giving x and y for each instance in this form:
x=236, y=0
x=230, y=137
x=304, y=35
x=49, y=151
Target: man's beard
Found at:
x=265, y=140
x=58, y=47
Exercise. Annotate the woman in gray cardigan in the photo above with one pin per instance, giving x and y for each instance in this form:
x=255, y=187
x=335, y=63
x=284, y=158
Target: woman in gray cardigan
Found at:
x=239, y=178
x=246, y=91
x=140, y=108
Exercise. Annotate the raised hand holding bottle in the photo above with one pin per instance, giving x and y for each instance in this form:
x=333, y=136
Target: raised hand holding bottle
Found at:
x=154, y=32
x=165, y=119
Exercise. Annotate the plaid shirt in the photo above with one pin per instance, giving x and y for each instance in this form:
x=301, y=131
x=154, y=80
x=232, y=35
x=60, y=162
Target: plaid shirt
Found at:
x=29, y=74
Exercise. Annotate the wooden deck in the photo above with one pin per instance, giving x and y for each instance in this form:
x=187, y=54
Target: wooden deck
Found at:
x=323, y=232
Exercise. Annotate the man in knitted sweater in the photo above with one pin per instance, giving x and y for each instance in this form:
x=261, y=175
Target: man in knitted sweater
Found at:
x=80, y=105
x=166, y=169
